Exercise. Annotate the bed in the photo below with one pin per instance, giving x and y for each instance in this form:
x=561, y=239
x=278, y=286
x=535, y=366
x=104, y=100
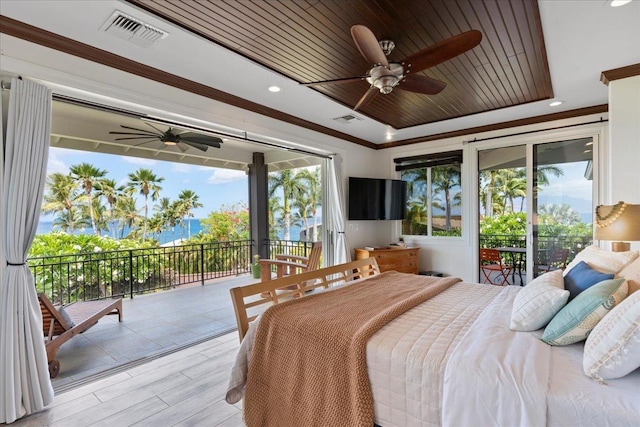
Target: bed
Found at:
x=449, y=360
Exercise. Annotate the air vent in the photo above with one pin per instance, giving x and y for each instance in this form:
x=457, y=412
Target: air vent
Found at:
x=131, y=29
x=348, y=118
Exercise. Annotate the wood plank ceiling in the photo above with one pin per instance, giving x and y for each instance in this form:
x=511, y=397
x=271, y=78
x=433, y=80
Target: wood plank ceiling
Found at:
x=310, y=40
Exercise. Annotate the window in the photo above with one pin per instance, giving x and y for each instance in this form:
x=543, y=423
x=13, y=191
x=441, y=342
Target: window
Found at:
x=434, y=194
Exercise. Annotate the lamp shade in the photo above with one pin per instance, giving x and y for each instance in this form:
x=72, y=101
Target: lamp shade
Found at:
x=619, y=222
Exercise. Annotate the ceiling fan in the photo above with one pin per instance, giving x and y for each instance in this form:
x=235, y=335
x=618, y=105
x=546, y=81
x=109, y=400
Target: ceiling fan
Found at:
x=171, y=137
x=384, y=76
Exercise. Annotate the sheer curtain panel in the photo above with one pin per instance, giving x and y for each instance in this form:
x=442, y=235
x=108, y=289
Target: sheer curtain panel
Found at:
x=24, y=375
x=336, y=204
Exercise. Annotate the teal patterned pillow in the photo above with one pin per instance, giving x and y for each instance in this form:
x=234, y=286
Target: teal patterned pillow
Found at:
x=578, y=318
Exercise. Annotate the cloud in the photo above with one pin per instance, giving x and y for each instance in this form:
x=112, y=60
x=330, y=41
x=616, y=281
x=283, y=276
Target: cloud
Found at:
x=55, y=163
x=181, y=168
x=224, y=176
x=138, y=161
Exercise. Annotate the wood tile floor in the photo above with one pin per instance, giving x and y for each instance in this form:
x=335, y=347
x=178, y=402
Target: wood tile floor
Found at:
x=152, y=325
x=185, y=388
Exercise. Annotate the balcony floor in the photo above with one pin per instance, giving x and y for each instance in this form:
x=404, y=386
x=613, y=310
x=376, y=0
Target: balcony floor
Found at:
x=152, y=325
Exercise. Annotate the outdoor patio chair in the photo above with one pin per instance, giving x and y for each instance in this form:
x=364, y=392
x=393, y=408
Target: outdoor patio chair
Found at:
x=291, y=264
x=287, y=265
x=60, y=324
x=557, y=259
x=495, y=266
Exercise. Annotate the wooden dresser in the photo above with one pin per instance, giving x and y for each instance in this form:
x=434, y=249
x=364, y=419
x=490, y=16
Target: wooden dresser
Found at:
x=398, y=258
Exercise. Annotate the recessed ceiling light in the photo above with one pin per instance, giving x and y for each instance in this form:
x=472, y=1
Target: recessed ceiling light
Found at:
x=616, y=3
x=274, y=89
x=556, y=103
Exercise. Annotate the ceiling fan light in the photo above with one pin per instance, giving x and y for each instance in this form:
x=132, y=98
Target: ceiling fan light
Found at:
x=385, y=84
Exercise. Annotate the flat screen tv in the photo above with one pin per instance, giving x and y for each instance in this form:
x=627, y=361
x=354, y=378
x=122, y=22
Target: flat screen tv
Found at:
x=371, y=198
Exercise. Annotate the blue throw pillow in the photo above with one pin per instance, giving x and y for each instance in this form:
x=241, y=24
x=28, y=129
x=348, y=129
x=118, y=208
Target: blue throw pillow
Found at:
x=582, y=277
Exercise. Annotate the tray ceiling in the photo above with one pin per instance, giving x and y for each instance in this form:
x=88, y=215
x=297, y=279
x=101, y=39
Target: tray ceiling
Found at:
x=310, y=41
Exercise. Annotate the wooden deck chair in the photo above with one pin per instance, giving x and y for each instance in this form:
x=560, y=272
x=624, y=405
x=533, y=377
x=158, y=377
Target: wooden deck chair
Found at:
x=495, y=265
x=291, y=264
x=60, y=324
x=287, y=265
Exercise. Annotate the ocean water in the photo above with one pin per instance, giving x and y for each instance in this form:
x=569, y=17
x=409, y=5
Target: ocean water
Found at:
x=165, y=237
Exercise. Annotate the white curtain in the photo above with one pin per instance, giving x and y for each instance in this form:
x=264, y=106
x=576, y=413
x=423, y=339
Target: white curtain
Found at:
x=336, y=204
x=24, y=375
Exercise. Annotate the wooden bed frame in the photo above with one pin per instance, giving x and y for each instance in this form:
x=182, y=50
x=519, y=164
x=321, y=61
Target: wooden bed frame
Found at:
x=294, y=286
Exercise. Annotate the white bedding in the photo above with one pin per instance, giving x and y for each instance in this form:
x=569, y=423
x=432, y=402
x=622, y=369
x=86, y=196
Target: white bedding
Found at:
x=501, y=377
x=406, y=358
x=465, y=330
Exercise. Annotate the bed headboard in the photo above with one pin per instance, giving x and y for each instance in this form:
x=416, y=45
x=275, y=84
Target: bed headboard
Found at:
x=264, y=294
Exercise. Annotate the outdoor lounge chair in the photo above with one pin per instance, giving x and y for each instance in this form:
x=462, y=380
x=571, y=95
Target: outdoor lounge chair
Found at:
x=291, y=264
x=60, y=324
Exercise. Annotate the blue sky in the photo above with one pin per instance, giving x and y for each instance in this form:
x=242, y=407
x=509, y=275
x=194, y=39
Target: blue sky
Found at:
x=216, y=187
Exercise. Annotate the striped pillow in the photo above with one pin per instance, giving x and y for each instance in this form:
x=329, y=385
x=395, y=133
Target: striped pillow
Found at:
x=536, y=304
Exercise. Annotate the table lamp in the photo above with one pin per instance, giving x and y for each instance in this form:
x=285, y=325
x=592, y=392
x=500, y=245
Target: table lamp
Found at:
x=617, y=223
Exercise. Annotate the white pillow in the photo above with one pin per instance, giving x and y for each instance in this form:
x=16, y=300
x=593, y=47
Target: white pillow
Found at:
x=602, y=260
x=536, y=304
x=632, y=273
x=612, y=349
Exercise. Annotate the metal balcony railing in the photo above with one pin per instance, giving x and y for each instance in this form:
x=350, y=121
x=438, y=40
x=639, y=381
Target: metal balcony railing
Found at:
x=101, y=275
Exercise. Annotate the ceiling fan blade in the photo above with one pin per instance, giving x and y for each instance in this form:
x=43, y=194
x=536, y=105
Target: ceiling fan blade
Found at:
x=335, y=81
x=183, y=146
x=139, y=130
x=151, y=138
x=366, y=98
x=133, y=133
x=210, y=141
x=201, y=147
x=368, y=46
x=442, y=51
x=422, y=84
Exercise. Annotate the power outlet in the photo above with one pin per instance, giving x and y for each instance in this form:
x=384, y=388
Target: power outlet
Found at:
x=353, y=226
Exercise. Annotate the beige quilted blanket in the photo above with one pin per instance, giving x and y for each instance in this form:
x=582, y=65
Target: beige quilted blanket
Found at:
x=308, y=365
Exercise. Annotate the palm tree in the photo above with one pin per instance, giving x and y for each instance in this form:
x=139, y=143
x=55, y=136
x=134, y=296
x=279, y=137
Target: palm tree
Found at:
x=313, y=197
x=417, y=214
x=558, y=214
x=274, y=209
x=291, y=186
x=62, y=191
x=146, y=182
x=189, y=200
x=445, y=178
x=127, y=213
x=88, y=175
x=109, y=189
x=156, y=225
x=543, y=171
x=67, y=223
x=302, y=214
x=170, y=215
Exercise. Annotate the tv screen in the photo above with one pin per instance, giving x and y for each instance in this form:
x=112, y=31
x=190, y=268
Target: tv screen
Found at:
x=371, y=198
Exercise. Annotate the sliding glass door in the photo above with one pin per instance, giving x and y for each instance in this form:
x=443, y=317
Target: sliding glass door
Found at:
x=535, y=206
x=562, y=202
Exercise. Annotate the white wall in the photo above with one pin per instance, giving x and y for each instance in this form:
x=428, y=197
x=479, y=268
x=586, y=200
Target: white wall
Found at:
x=623, y=179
